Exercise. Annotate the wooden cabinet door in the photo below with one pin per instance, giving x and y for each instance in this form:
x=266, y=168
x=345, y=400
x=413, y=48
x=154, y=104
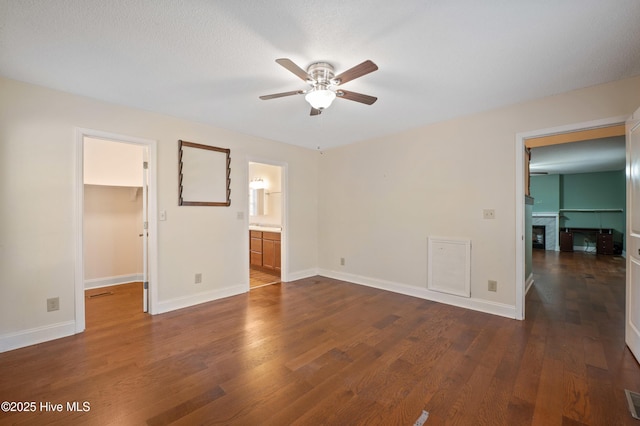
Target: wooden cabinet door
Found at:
x=269, y=254
x=255, y=248
x=277, y=249
x=256, y=259
x=566, y=241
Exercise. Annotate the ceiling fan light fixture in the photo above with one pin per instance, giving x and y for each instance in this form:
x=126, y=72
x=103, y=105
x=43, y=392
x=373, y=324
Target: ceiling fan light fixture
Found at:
x=323, y=81
x=320, y=98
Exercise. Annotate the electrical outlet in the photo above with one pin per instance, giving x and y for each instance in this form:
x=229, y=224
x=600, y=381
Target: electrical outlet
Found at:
x=489, y=213
x=342, y=261
x=493, y=285
x=198, y=278
x=53, y=304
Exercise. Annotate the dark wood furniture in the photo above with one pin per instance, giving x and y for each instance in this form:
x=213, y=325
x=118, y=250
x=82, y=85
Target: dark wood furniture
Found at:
x=566, y=240
x=604, y=244
x=603, y=238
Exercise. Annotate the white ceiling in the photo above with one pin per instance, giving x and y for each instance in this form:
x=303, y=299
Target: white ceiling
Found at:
x=209, y=61
x=597, y=155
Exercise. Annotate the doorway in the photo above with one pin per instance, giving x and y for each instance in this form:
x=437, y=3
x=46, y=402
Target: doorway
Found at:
x=115, y=198
x=266, y=201
x=123, y=175
x=522, y=181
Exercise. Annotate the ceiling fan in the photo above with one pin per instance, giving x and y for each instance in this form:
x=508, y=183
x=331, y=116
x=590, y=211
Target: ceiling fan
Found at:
x=323, y=81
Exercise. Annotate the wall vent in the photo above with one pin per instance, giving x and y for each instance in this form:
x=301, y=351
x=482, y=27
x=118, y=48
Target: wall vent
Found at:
x=633, y=399
x=449, y=266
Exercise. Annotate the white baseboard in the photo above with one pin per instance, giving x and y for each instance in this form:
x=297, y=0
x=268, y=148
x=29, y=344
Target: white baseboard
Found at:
x=198, y=298
x=486, y=306
x=528, y=283
x=299, y=275
x=115, y=280
x=209, y=296
x=36, y=335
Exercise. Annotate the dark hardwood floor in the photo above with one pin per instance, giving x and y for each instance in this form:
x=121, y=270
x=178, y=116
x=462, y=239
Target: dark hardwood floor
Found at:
x=321, y=351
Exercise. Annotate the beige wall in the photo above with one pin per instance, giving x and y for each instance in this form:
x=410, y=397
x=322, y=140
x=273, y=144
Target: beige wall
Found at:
x=373, y=203
x=381, y=199
x=112, y=225
x=37, y=213
x=112, y=163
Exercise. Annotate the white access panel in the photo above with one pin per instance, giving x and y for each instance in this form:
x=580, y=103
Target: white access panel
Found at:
x=449, y=266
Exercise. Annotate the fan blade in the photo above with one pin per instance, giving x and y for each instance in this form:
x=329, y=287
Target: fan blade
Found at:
x=358, y=71
x=288, y=64
x=280, y=95
x=358, y=97
x=315, y=111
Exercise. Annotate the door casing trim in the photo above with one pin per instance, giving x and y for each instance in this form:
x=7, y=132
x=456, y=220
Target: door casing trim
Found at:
x=151, y=145
x=520, y=279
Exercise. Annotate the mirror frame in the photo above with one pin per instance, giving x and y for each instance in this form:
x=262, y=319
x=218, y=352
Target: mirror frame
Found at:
x=181, y=166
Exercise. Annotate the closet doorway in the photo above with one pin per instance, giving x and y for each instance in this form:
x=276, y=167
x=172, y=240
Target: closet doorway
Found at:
x=116, y=226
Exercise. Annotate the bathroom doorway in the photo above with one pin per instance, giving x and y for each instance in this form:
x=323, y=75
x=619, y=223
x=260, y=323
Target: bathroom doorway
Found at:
x=266, y=219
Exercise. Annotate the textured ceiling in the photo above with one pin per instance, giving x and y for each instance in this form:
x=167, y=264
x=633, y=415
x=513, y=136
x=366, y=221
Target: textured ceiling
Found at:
x=210, y=60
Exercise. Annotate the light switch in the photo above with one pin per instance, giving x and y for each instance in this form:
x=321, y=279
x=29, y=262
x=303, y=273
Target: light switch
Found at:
x=489, y=213
x=163, y=215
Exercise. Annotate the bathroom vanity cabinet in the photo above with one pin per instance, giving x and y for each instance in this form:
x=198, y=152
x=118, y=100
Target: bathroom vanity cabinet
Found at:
x=264, y=250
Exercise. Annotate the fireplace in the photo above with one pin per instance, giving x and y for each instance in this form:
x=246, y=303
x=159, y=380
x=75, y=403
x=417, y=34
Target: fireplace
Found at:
x=546, y=226
x=538, y=234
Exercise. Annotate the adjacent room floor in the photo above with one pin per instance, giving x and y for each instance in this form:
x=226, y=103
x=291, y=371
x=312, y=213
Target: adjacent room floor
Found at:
x=258, y=278
x=322, y=351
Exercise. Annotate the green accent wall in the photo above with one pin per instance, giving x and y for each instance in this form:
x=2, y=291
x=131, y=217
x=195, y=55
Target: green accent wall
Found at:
x=545, y=190
x=603, y=190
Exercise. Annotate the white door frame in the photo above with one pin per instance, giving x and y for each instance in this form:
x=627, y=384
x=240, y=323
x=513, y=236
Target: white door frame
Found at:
x=151, y=145
x=284, y=236
x=520, y=239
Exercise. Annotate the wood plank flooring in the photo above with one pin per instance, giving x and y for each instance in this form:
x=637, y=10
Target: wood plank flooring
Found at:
x=258, y=278
x=321, y=351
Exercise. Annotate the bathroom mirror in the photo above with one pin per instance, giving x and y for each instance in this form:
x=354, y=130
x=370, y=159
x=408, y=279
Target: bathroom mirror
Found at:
x=203, y=175
x=257, y=202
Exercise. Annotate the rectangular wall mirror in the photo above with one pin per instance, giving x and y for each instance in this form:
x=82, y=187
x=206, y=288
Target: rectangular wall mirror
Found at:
x=204, y=175
x=257, y=202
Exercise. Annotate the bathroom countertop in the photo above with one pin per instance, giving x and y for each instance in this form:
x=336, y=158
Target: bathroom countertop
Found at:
x=265, y=228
